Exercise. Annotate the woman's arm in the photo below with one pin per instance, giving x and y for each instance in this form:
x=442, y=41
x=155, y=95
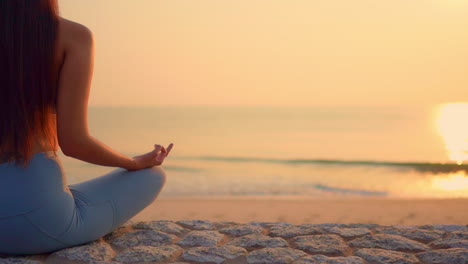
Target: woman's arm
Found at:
x=72, y=102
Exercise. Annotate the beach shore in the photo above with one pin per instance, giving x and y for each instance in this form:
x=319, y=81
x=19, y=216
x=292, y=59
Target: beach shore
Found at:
x=383, y=211
x=265, y=229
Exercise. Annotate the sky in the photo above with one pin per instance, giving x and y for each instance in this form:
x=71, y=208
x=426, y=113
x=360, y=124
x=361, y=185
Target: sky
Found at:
x=276, y=52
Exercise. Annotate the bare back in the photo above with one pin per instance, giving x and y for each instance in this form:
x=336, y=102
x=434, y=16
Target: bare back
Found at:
x=66, y=30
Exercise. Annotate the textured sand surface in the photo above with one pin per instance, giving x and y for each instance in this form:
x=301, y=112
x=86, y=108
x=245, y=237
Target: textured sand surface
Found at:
x=271, y=230
x=203, y=241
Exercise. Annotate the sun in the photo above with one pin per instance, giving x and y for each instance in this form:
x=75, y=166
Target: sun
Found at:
x=452, y=124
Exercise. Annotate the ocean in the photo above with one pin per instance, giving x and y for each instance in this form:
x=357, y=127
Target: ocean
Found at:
x=293, y=152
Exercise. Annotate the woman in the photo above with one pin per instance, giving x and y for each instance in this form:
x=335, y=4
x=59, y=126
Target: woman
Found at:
x=46, y=65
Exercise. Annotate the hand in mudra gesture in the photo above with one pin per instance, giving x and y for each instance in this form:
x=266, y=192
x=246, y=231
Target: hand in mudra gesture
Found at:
x=152, y=158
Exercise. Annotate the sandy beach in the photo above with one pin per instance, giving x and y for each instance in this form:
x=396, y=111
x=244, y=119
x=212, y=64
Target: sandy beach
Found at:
x=297, y=211
x=217, y=230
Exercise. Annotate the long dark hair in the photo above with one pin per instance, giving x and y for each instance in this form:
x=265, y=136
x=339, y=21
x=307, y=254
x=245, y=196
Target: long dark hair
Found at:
x=28, y=87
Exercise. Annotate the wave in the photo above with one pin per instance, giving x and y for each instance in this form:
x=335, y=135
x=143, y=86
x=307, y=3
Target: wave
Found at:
x=345, y=190
x=182, y=168
x=419, y=166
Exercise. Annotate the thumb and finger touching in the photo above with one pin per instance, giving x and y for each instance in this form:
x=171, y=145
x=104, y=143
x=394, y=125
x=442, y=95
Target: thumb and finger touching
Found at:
x=160, y=152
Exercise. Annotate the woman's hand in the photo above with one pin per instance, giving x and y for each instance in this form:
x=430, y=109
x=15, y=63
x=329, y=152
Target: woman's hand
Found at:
x=153, y=158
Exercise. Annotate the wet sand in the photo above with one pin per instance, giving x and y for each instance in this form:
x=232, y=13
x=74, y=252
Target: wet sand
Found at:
x=383, y=211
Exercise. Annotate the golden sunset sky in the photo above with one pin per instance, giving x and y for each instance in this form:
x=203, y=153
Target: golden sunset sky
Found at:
x=276, y=52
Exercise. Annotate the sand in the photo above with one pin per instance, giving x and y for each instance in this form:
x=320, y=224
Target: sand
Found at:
x=383, y=211
x=197, y=241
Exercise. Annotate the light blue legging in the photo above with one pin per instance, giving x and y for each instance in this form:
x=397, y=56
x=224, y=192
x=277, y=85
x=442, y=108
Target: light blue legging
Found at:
x=40, y=213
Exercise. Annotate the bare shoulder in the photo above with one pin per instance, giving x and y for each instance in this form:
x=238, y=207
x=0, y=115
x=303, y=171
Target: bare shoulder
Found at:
x=74, y=34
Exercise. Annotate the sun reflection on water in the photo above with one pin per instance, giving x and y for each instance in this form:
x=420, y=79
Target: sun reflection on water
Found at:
x=452, y=124
x=452, y=182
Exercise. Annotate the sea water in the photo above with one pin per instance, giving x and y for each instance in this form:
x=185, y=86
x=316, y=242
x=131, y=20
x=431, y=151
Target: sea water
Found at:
x=317, y=152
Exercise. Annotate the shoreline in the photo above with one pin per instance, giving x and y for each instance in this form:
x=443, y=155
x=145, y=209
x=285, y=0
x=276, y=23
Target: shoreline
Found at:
x=302, y=198
x=382, y=211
